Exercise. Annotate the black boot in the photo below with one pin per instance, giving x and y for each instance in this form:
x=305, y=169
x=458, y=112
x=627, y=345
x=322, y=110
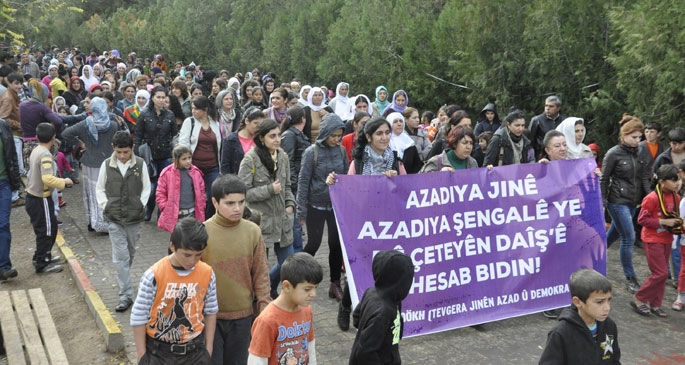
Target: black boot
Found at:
x=344, y=317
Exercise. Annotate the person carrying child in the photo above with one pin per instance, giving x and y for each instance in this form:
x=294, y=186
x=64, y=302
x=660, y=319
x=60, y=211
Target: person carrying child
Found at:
x=235, y=250
x=377, y=317
x=39, y=204
x=180, y=190
x=660, y=220
x=122, y=190
x=174, y=315
x=585, y=334
x=292, y=311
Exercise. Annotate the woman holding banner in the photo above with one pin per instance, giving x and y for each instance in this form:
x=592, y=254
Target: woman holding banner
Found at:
x=372, y=155
x=624, y=181
x=457, y=156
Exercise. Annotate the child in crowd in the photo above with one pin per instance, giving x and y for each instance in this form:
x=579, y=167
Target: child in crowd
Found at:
x=39, y=204
x=426, y=118
x=660, y=220
x=479, y=151
x=585, y=334
x=236, y=251
x=174, y=315
x=122, y=190
x=300, y=276
x=180, y=190
x=64, y=168
x=377, y=317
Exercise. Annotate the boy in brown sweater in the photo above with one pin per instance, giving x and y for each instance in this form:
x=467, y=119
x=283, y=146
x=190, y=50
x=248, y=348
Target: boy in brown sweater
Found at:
x=39, y=205
x=236, y=252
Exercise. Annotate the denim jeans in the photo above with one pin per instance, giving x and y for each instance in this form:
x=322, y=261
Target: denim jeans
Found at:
x=675, y=259
x=5, y=234
x=151, y=202
x=275, y=273
x=209, y=175
x=622, y=225
x=297, y=236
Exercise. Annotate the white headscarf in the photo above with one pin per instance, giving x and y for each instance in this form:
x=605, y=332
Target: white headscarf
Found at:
x=399, y=142
x=91, y=79
x=343, y=103
x=304, y=100
x=575, y=150
x=315, y=108
x=146, y=95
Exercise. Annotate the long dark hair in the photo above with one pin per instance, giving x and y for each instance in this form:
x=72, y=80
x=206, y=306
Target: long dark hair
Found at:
x=203, y=102
x=369, y=129
x=266, y=126
x=294, y=116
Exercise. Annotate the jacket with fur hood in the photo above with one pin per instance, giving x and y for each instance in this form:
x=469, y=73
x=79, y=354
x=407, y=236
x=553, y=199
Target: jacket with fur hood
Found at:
x=377, y=316
x=311, y=186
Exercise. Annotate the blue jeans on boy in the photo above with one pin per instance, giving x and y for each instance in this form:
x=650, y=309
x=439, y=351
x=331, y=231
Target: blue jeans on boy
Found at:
x=282, y=253
x=5, y=234
x=622, y=225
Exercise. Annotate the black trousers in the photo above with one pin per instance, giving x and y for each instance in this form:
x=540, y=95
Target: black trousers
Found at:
x=42, y=214
x=316, y=218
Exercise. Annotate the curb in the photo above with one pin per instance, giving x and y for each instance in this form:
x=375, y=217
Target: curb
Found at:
x=114, y=339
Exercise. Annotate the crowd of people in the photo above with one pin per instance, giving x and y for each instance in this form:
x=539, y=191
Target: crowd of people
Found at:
x=140, y=134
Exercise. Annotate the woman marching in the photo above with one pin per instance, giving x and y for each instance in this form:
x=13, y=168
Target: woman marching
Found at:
x=322, y=160
x=457, y=156
x=201, y=134
x=372, y=155
x=624, y=181
x=266, y=172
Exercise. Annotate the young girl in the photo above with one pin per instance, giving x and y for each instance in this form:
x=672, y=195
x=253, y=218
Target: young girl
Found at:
x=180, y=190
x=660, y=220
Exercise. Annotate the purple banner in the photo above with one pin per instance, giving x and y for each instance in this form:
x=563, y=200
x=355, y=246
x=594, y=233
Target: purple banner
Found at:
x=486, y=245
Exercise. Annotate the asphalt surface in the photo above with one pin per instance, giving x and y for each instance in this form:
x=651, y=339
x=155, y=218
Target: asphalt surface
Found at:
x=643, y=339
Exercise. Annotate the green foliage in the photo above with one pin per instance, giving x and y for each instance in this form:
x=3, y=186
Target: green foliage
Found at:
x=603, y=58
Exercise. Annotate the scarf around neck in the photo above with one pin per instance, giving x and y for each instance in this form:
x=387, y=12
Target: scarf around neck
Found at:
x=375, y=164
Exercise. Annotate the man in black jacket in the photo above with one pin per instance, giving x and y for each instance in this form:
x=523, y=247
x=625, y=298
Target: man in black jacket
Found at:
x=545, y=122
x=9, y=181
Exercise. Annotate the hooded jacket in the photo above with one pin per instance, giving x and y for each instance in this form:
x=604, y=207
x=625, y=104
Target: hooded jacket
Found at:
x=484, y=124
x=377, y=316
x=571, y=342
x=311, y=186
x=10, y=156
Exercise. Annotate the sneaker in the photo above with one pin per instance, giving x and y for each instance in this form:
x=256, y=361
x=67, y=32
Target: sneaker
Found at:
x=552, y=314
x=75, y=181
x=8, y=274
x=18, y=203
x=49, y=269
x=123, y=305
x=632, y=285
x=61, y=202
x=59, y=223
x=344, y=317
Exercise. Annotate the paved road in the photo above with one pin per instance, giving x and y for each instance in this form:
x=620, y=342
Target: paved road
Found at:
x=643, y=340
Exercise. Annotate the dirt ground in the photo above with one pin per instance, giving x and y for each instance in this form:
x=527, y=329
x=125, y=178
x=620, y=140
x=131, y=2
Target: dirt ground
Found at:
x=77, y=330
